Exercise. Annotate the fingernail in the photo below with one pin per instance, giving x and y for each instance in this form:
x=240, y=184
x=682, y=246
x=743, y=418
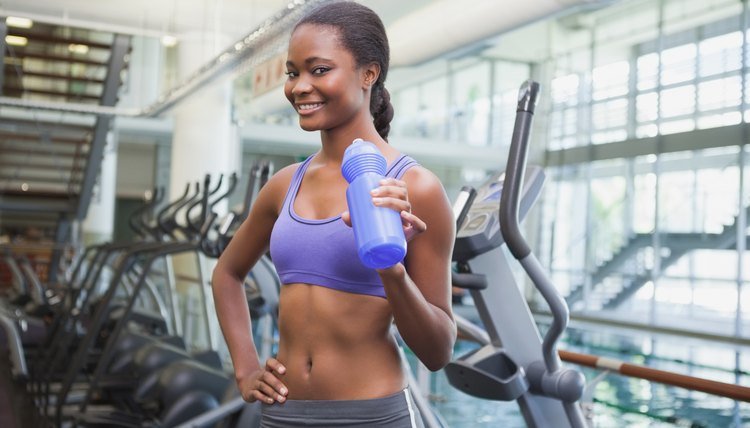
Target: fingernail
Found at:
x=281, y=398
x=282, y=369
x=374, y=192
x=283, y=391
x=377, y=201
x=270, y=400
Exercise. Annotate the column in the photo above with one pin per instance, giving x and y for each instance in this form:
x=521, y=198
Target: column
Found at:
x=203, y=142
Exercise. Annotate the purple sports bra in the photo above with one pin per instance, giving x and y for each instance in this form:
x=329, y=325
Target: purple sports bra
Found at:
x=323, y=252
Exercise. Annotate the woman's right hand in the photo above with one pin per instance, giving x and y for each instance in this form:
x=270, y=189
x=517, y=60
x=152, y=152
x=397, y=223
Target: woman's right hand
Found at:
x=264, y=384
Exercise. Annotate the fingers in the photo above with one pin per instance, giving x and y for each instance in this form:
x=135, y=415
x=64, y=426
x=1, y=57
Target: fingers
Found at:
x=411, y=221
x=273, y=365
x=393, y=194
x=264, y=385
x=270, y=389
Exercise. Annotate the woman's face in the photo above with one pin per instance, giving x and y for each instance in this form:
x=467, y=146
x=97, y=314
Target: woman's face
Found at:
x=324, y=84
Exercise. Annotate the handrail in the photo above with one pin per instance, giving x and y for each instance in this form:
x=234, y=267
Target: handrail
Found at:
x=721, y=389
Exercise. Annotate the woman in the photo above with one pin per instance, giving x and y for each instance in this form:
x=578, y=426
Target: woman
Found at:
x=338, y=363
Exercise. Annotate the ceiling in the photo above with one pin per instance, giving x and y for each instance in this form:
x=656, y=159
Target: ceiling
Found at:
x=148, y=17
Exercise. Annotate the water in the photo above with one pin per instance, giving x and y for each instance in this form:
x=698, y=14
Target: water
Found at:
x=616, y=401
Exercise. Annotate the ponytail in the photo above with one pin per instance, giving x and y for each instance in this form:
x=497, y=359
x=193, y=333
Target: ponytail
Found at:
x=381, y=109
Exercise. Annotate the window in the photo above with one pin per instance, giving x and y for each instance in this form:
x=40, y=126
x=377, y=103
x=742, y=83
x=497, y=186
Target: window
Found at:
x=610, y=80
x=678, y=64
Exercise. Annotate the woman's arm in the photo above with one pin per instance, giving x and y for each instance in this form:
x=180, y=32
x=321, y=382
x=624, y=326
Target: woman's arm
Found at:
x=420, y=296
x=247, y=246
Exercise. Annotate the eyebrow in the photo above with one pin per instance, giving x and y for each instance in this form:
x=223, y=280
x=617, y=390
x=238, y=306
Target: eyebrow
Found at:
x=310, y=60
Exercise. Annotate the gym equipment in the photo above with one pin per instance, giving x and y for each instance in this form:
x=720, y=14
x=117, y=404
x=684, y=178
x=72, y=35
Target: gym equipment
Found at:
x=105, y=357
x=517, y=364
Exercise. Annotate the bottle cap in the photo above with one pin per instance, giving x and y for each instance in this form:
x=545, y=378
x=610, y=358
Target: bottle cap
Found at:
x=361, y=157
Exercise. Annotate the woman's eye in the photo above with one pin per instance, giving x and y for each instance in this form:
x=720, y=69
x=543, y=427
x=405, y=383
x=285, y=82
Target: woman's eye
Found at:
x=320, y=70
x=291, y=73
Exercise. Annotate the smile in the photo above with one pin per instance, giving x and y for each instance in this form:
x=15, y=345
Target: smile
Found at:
x=305, y=108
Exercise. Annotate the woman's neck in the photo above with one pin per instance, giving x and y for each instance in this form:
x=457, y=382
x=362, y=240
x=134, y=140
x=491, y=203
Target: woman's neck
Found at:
x=335, y=141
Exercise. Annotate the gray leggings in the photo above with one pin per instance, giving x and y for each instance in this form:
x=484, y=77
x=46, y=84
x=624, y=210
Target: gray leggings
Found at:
x=395, y=411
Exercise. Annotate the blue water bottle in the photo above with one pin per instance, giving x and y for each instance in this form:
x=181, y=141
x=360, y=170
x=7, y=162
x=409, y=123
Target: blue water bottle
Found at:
x=377, y=230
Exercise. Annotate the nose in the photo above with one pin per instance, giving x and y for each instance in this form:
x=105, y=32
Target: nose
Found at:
x=301, y=86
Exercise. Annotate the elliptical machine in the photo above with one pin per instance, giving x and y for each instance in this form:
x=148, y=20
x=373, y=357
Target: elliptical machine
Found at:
x=515, y=363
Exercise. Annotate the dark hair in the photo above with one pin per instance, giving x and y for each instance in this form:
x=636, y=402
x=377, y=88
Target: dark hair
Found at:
x=362, y=33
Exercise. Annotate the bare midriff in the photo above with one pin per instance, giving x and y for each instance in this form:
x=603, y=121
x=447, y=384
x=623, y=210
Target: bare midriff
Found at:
x=336, y=345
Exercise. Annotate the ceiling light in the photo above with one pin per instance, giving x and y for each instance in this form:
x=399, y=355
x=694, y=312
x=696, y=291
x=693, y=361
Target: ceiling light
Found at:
x=168, y=40
x=77, y=48
x=17, y=21
x=16, y=40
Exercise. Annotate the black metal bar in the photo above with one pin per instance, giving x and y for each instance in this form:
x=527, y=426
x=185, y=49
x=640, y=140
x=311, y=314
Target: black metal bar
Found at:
x=120, y=47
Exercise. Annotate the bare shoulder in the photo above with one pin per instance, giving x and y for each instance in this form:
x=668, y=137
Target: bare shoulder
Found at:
x=423, y=183
x=273, y=192
x=283, y=176
x=428, y=198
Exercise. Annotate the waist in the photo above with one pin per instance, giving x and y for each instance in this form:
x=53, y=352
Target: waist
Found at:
x=335, y=371
x=336, y=345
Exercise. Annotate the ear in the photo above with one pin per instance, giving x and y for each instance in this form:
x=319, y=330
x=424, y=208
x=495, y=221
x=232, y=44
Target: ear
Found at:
x=370, y=74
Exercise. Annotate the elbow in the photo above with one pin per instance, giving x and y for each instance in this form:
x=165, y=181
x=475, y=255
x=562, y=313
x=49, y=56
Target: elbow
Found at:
x=438, y=361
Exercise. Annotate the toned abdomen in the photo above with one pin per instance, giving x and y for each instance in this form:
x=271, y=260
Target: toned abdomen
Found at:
x=336, y=345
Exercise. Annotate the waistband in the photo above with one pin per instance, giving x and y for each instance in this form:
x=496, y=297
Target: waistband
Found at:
x=377, y=412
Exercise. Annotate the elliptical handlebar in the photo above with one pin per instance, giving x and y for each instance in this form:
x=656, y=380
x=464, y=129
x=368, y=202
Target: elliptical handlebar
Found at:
x=514, y=172
x=545, y=376
x=509, y=226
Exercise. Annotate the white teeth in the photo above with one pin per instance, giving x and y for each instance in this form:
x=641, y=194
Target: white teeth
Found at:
x=308, y=106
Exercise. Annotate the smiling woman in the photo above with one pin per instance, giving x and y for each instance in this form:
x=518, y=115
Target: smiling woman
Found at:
x=337, y=355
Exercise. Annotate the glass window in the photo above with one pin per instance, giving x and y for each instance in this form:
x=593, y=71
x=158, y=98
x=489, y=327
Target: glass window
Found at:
x=717, y=120
x=678, y=64
x=648, y=71
x=677, y=101
x=677, y=201
x=646, y=131
x=646, y=107
x=610, y=114
x=433, y=109
x=507, y=81
x=610, y=80
x=505, y=117
x=564, y=115
x=406, y=102
x=644, y=196
x=719, y=93
x=716, y=299
x=609, y=211
x=569, y=219
x=720, y=54
x=676, y=126
x=470, y=111
x=564, y=90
